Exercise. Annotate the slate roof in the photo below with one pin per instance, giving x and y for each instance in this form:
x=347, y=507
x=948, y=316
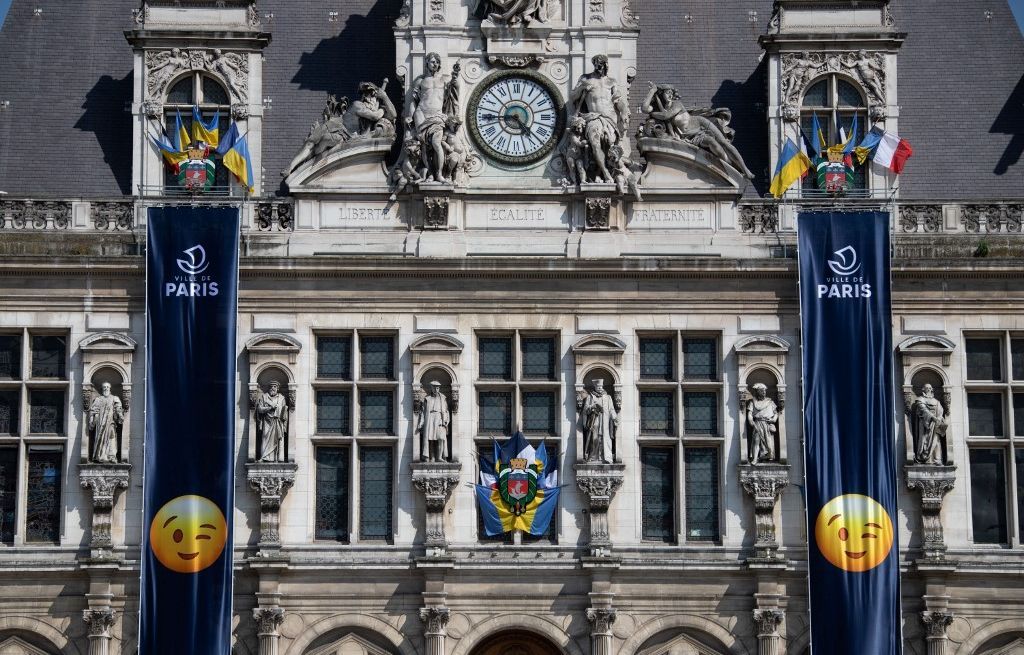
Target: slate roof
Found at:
x=68, y=77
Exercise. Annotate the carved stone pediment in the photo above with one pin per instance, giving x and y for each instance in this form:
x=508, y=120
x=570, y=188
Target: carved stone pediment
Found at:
x=350, y=644
x=273, y=343
x=599, y=347
x=927, y=347
x=681, y=644
x=17, y=646
x=435, y=347
x=108, y=343
x=675, y=165
x=355, y=166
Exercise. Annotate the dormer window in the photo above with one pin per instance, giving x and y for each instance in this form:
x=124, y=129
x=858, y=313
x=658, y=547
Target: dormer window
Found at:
x=201, y=90
x=835, y=101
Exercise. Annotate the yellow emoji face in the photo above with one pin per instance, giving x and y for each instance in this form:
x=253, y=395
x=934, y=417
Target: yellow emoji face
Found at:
x=854, y=532
x=188, y=534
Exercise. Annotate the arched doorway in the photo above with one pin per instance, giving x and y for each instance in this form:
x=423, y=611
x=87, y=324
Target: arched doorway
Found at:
x=516, y=643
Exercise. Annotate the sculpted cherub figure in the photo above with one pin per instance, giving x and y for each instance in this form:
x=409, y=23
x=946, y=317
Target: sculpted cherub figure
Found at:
x=576, y=150
x=405, y=172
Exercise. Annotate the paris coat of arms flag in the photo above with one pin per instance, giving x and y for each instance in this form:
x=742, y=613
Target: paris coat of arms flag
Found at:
x=518, y=488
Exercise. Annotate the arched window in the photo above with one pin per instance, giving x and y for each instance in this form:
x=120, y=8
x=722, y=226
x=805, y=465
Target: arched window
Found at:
x=211, y=97
x=836, y=101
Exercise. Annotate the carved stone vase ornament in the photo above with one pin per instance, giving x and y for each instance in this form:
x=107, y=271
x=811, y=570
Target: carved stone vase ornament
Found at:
x=601, y=115
x=706, y=128
x=371, y=116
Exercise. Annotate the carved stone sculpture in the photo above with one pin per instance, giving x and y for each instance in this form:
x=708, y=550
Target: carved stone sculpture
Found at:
x=705, y=128
x=799, y=69
x=928, y=422
x=764, y=483
x=513, y=12
x=600, y=424
x=106, y=415
x=272, y=424
x=271, y=481
x=434, y=102
x=431, y=424
x=371, y=116
x=603, y=106
x=436, y=481
x=762, y=421
x=163, y=66
x=599, y=482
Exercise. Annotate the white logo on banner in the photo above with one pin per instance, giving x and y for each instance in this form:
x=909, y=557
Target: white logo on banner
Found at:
x=192, y=266
x=846, y=283
x=192, y=284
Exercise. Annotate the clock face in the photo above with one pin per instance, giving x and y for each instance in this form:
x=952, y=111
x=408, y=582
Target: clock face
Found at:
x=516, y=117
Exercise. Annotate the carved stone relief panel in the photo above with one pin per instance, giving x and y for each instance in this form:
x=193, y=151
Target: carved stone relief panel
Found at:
x=162, y=66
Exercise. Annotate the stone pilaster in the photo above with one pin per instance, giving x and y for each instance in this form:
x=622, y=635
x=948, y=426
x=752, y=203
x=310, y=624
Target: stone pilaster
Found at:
x=104, y=481
x=768, y=640
x=933, y=483
x=936, y=623
x=435, y=480
x=268, y=620
x=599, y=482
x=435, y=620
x=99, y=620
x=271, y=480
x=765, y=483
x=601, y=620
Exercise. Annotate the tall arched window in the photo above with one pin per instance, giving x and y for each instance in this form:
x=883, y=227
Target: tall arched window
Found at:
x=211, y=97
x=835, y=100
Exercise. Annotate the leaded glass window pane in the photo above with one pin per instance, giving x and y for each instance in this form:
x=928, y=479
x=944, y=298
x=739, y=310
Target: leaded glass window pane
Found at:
x=985, y=414
x=332, y=467
x=701, y=494
x=334, y=358
x=817, y=95
x=539, y=412
x=181, y=93
x=333, y=410
x=988, y=495
x=700, y=412
x=538, y=358
x=8, y=490
x=42, y=506
x=214, y=93
x=700, y=361
x=10, y=356
x=375, y=475
x=656, y=359
x=657, y=412
x=1017, y=355
x=849, y=95
x=10, y=405
x=1019, y=455
x=46, y=411
x=48, y=357
x=984, y=359
x=496, y=412
x=1018, y=414
x=657, y=493
x=495, y=358
x=376, y=412
x=378, y=357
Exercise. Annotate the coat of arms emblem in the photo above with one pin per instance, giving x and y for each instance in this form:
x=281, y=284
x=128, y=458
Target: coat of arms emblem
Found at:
x=196, y=174
x=517, y=484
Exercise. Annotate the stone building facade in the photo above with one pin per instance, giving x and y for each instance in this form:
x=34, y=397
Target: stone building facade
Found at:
x=515, y=281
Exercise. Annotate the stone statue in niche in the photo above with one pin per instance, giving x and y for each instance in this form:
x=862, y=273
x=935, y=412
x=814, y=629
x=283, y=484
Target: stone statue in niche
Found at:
x=434, y=103
x=762, y=419
x=431, y=424
x=513, y=12
x=603, y=106
x=706, y=128
x=371, y=116
x=600, y=425
x=928, y=423
x=106, y=415
x=272, y=423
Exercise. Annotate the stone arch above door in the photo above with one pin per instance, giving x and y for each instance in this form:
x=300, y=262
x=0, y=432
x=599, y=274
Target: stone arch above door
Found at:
x=516, y=643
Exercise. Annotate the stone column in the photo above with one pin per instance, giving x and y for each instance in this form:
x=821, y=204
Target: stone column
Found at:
x=268, y=620
x=104, y=481
x=435, y=480
x=601, y=620
x=99, y=620
x=271, y=480
x=599, y=482
x=765, y=483
x=768, y=639
x=936, y=623
x=933, y=482
x=435, y=620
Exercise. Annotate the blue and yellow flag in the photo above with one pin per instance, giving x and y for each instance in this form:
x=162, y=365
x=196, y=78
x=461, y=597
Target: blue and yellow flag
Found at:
x=172, y=157
x=793, y=165
x=239, y=161
x=818, y=141
x=206, y=131
x=518, y=488
x=181, y=137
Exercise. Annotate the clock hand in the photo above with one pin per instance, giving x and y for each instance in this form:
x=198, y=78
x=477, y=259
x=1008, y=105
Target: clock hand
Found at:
x=523, y=126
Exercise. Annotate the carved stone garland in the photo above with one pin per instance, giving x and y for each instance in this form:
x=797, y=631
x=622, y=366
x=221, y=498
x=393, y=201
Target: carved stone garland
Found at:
x=799, y=70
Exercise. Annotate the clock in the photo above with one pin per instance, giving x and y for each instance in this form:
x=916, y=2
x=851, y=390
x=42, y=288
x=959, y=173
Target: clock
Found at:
x=516, y=117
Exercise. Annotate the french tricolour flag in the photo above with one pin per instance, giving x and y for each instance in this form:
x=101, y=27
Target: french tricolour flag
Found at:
x=889, y=149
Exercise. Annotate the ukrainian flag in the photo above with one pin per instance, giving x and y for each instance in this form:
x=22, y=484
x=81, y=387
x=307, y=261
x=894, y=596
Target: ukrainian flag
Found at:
x=172, y=157
x=793, y=165
x=203, y=131
x=239, y=161
x=181, y=134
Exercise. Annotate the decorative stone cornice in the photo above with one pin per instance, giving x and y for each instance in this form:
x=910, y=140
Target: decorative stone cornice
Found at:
x=601, y=620
x=435, y=619
x=268, y=620
x=768, y=621
x=99, y=620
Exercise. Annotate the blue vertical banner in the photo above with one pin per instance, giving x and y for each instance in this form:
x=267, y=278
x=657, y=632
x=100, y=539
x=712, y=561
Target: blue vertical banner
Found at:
x=191, y=305
x=849, y=433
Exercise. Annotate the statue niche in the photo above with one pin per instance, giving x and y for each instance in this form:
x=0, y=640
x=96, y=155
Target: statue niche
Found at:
x=105, y=417
x=761, y=418
x=599, y=403
x=927, y=419
x=432, y=418
x=271, y=409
